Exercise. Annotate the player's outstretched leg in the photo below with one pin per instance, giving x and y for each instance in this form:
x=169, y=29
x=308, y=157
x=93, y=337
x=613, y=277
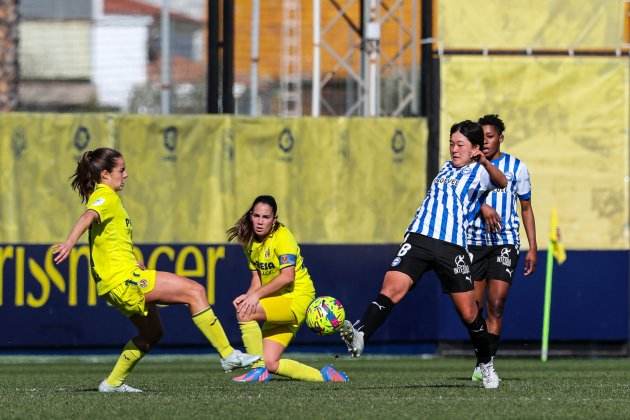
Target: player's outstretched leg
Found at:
x=171, y=288
x=395, y=286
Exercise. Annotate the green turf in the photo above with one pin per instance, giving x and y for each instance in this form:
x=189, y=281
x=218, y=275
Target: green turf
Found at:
x=193, y=387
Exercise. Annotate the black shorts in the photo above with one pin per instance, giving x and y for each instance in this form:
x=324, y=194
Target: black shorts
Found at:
x=495, y=262
x=420, y=253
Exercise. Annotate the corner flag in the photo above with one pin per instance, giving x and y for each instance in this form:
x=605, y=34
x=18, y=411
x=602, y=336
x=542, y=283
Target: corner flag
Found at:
x=555, y=249
x=554, y=237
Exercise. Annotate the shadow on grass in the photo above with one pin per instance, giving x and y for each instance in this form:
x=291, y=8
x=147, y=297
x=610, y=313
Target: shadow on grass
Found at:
x=412, y=386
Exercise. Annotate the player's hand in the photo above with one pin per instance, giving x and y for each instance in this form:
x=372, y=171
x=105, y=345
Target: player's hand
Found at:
x=478, y=156
x=61, y=252
x=491, y=217
x=530, y=262
x=237, y=301
x=246, y=304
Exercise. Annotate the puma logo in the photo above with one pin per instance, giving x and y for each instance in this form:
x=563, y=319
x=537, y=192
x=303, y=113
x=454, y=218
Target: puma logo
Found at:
x=509, y=272
x=380, y=307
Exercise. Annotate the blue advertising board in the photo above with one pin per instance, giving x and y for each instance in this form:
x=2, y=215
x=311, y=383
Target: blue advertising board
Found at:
x=43, y=305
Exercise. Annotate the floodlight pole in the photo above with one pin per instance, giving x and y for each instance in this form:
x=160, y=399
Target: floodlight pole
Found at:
x=165, y=68
x=255, y=54
x=372, y=40
x=316, y=89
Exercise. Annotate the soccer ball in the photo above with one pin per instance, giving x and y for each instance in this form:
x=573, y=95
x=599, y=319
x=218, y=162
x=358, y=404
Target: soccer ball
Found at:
x=325, y=315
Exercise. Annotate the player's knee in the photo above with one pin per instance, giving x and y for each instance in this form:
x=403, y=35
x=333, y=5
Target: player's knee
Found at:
x=156, y=335
x=496, y=307
x=197, y=292
x=151, y=337
x=395, y=287
x=469, y=317
x=240, y=317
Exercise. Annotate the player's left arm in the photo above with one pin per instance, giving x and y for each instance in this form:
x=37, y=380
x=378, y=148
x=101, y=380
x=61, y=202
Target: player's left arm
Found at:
x=529, y=223
x=284, y=278
x=524, y=191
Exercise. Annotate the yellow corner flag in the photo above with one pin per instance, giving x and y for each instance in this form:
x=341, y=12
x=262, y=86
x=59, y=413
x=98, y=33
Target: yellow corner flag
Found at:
x=554, y=236
x=554, y=250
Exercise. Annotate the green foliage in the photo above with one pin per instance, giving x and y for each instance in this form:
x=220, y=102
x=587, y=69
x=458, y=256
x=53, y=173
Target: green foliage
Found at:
x=194, y=387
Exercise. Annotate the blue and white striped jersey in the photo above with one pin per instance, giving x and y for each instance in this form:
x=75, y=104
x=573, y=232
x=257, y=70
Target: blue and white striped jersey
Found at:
x=451, y=203
x=504, y=202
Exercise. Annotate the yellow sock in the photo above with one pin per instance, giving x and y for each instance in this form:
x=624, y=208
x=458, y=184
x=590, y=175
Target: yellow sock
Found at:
x=210, y=326
x=128, y=358
x=253, y=341
x=296, y=370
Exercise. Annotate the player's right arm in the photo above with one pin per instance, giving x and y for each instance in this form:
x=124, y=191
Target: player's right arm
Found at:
x=496, y=176
x=63, y=249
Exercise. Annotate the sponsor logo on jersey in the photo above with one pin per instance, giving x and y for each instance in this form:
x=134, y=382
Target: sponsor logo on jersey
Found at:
x=504, y=258
x=98, y=202
x=446, y=180
x=263, y=266
x=396, y=262
x=460, y=265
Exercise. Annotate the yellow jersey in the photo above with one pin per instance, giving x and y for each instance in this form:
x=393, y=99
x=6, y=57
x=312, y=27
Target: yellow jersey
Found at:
x=111, y=248
x=280, y=250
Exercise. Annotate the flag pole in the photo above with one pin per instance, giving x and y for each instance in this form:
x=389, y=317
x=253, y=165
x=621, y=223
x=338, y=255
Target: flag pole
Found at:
x=544, y=351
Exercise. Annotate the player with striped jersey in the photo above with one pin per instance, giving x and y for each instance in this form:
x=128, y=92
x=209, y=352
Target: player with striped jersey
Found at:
x=493, y=236
x=436, y=240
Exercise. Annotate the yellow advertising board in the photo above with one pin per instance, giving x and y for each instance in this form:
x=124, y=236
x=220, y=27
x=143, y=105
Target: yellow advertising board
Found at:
x=337, y=180
x=567, y=119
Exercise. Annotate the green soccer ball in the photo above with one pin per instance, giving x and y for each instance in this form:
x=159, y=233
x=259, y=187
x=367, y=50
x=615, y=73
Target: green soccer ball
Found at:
x=325, y=315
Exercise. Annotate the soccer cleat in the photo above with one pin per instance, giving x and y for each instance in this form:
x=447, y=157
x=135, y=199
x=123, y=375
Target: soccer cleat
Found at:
x=330, y=374
x=237, y=359
x=352, y=337
x=490, y=379
x=105, y=387
x=476, y=375
x=260, y=374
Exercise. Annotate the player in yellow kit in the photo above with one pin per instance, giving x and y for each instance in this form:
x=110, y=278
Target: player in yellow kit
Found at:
x=279, y=294
x=123, y=281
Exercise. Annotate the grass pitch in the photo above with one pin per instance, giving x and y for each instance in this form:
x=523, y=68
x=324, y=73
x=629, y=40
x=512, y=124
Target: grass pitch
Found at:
x=194, y=387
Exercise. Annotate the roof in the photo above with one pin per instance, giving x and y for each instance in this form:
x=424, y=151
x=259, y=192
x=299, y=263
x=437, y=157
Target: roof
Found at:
x=136, y=7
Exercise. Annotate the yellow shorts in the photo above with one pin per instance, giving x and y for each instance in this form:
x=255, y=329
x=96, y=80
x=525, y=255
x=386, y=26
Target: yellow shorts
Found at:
x=128, y=296
x=284, y=314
